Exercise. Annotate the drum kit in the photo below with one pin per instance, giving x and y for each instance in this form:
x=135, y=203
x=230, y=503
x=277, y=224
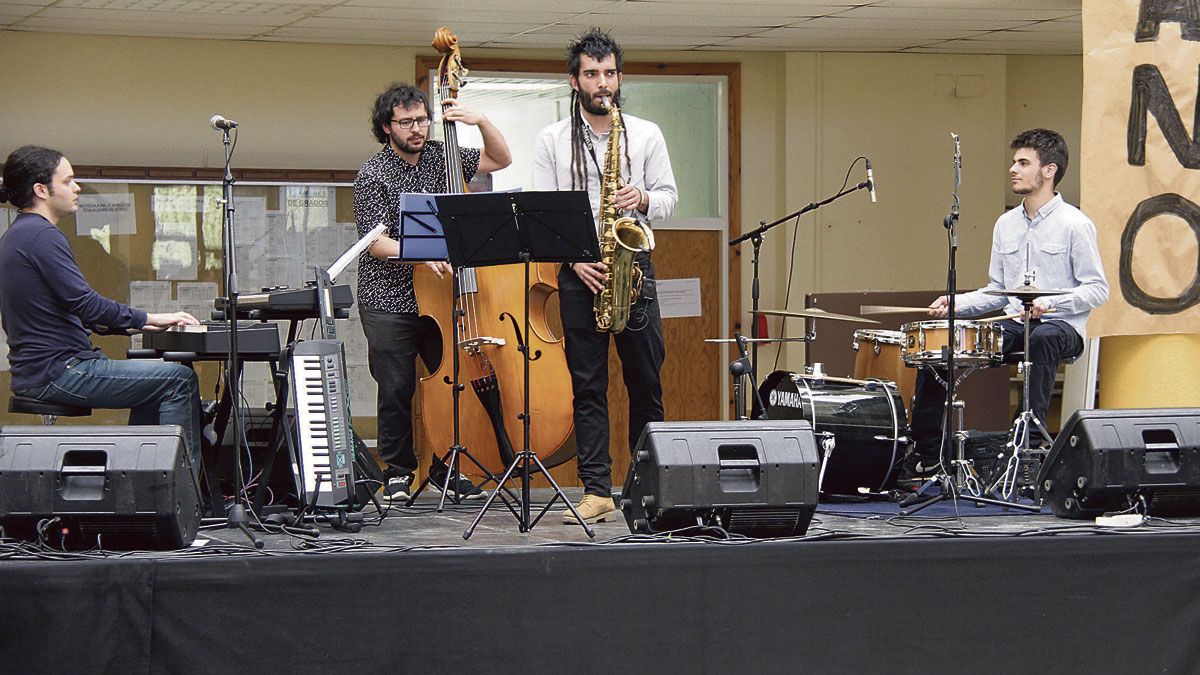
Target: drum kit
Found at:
x=862, y=421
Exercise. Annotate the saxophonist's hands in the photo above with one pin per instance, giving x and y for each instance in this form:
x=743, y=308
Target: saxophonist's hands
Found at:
x=592, y=274
x=628, y=198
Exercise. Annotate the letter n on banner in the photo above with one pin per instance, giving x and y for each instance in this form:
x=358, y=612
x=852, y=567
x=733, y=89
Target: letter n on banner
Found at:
x=1140, y=161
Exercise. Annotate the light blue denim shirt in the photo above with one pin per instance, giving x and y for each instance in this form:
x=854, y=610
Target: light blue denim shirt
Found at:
x=1059, y=245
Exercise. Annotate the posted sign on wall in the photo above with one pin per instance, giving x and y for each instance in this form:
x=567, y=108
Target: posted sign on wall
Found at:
x=1140, y=159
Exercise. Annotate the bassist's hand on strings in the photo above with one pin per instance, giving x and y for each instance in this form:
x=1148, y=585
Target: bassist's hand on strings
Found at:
x=453, y=111
x=592, y=274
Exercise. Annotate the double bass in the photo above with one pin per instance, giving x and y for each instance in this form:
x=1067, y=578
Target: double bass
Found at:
x=489, y=309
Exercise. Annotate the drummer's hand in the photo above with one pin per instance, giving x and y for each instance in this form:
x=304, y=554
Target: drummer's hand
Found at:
x=1039, y=308
x=441, y=269
x=592, y=274
x=940, y=308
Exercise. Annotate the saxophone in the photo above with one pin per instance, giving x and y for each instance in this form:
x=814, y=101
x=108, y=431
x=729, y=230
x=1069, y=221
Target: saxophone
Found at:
x=620, y=240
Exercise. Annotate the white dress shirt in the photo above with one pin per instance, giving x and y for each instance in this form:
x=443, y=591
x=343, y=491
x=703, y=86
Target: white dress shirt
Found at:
x=650, y=165
x=1059, y=245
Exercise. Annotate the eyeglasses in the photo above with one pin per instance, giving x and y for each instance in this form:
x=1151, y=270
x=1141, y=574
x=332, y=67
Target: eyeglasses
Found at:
x=411, y=122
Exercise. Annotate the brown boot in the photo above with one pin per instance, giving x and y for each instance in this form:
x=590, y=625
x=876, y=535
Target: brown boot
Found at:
x=593, y=509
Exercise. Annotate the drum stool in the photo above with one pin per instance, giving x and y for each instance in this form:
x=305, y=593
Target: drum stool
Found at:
x=49, y=410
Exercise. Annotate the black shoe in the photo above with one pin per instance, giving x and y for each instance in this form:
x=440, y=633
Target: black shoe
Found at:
x=465, y=488
x=397, y=488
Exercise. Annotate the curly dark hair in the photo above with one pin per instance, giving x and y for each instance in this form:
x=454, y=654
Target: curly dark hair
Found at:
x=25, y=167
x=1049, y=146
x=398, y=94
x=596, y=43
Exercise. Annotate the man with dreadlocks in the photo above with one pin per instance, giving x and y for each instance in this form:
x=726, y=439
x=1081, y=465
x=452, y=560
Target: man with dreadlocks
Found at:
x=569, y=156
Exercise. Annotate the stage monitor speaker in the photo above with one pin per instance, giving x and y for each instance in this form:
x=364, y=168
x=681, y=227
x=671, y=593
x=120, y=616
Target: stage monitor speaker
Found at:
x=1108, y=460
x=116, y=487
x=756, y=478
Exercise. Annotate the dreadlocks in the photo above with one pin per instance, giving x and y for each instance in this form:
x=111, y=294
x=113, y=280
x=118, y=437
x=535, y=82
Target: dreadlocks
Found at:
x=599, y=45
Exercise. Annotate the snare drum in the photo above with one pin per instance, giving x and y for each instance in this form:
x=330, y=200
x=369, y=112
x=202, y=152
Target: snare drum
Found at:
x=866, y=420
x=877, y=357
x=975, y=344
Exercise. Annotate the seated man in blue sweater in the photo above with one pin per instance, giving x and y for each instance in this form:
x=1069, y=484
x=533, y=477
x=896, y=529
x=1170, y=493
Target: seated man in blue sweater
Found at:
x=48, y=310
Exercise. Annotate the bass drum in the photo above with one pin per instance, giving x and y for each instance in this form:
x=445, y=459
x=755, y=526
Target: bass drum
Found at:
x=865, y=418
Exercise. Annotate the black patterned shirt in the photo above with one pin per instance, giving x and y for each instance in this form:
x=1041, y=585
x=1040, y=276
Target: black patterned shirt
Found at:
x=385, y=286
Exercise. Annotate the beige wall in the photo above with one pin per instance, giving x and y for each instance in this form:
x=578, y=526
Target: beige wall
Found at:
x=805, y=117
x=1032, y=103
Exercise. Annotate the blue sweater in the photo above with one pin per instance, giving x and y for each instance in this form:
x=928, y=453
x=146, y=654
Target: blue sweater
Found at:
x=47, y=308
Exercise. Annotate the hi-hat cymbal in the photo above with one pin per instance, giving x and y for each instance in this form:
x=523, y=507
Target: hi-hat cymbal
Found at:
x=815, y=313
x=1025, y=291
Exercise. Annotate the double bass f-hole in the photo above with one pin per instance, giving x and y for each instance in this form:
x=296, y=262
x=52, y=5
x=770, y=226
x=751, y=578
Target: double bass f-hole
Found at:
x=521, y=346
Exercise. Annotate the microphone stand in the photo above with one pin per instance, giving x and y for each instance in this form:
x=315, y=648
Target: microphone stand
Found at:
x=236, y=514
x=948, y=481
x=755, y=237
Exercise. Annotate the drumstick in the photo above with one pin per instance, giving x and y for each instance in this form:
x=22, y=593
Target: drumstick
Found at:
x=889, y=309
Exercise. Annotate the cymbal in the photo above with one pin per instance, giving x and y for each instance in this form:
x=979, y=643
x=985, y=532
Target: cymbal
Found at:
x=815, y=313
x=1025, y=291
x=890, y=309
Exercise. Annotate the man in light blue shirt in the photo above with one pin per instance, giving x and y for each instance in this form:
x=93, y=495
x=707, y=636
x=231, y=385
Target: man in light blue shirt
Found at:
x=1047, y=242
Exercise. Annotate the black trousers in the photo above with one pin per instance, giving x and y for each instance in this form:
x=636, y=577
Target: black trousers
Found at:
x=393, y=343
x=1050, y=343
x=641, y=349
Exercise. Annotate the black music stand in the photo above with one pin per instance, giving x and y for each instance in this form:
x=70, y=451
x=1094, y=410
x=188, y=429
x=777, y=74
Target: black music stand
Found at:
x=421, y=238
x=502, y=228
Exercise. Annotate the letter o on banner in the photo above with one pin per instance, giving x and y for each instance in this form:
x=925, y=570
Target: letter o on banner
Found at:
x=1169, y=203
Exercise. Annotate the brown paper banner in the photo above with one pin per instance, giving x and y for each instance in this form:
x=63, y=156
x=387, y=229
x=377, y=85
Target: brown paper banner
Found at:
x=1147, y=216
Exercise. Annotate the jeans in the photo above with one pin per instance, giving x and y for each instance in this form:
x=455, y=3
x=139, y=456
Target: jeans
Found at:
x=154, y=391
x=393, y=342
x=642, y=351
x=1050, y=343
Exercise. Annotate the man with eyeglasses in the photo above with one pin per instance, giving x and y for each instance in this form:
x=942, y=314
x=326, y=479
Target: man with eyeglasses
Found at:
x=408, y=162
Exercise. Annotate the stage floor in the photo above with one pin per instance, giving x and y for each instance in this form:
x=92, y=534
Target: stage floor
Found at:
x=423, y=526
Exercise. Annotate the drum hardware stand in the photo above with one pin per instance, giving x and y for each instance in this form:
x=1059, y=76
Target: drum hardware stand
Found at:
x=947, y=481
x=1019, y=445
x=741, y=370
x=755, y=237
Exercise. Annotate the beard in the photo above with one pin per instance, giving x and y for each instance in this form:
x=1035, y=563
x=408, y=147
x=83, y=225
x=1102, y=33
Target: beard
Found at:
x=404, y=144
x=1026, y=189
x=592, y=105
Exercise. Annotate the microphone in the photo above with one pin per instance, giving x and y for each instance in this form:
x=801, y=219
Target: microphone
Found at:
x=871, y=182
x=219, y=123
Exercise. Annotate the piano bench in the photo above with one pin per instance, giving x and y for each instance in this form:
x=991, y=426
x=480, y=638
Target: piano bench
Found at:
x=49, y=410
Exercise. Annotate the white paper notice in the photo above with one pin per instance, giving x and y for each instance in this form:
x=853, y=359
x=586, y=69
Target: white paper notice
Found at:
x=3, y=351
x=196, y=298
x=111, y=210
x=152, y=296
x=678, y=297
x=363, y=391
x=6, y=218
x=174, y=259
x=258, y=388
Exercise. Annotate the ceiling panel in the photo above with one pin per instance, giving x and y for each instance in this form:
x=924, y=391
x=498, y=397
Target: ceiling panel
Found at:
x=944, y=26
